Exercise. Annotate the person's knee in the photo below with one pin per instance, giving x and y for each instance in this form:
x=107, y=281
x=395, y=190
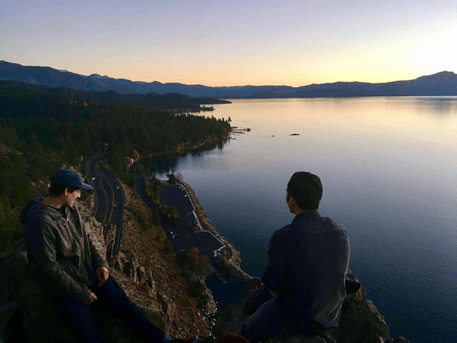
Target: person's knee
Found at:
x=250, y=332
x=244, y=330
x=110, y=290
x=71, y=306
x=260, y=296
x=109, y=283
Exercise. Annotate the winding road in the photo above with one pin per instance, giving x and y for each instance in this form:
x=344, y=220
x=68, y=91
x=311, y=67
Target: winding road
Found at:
x=109, y=195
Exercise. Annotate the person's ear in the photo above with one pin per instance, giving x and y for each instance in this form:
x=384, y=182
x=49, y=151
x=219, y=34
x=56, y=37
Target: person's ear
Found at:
x=293, y=205
x=289, y=198
x=292, y=201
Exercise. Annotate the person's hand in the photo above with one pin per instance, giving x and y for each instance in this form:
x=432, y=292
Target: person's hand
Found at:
x=102, y=275
x=91, y=299
x=254, y=284
x=273, y=294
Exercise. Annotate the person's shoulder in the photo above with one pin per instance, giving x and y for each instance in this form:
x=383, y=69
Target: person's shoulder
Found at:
x=39, y=219
x=38, y=213
x=327, y=225
x=337, y=225
x=284, y=233
x=331, y=223
x=335, y=228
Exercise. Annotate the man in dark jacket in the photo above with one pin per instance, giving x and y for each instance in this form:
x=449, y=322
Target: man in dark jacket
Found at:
x=70, y=271
x=304, y=283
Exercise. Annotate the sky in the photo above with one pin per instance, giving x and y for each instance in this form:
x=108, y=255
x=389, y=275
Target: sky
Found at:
x=234, y=42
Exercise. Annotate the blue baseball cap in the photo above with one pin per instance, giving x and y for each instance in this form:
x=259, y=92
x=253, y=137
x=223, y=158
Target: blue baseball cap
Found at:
x=70, y=178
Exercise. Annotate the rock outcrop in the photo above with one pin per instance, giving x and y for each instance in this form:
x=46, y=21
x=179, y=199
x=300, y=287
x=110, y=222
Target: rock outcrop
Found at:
x=360, y=322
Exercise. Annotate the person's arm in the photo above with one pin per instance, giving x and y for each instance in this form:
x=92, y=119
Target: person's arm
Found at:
x=91, y=299
x=102, y=275
x=41, y=238
x=98, y=263
x=97, y=260
x=276, y=275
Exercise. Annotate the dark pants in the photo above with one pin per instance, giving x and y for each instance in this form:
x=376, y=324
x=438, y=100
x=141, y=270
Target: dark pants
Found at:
x=271, y=319
x=112, y=300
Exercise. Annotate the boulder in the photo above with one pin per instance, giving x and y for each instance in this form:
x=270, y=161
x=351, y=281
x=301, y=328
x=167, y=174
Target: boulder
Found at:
x=141, y=274
x=360, y=322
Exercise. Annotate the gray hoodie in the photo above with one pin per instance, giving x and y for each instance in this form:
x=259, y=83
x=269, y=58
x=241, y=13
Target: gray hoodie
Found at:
x=61, y=256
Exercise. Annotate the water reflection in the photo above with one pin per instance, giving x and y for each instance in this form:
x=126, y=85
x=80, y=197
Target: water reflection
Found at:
x=165, y=164
x=437, y=105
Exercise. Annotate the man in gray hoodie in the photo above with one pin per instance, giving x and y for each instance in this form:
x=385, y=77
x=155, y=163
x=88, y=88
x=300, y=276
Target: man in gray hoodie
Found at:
x=68, y=268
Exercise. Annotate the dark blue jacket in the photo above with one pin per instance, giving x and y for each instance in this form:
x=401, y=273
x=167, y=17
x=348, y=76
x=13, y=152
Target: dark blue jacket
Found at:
x=308, y=261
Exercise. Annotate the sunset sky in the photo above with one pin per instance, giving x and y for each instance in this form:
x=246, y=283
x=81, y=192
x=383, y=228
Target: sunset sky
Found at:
x=233, y=42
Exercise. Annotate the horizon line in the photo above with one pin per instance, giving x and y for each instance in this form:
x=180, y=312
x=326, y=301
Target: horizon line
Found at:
x=199, y=84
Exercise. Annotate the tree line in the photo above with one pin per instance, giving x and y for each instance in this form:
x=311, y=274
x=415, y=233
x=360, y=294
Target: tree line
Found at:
x=42, y=129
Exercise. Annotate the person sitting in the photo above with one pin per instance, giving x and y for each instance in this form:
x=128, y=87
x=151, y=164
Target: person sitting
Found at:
x=304, y=282
x=70, y=271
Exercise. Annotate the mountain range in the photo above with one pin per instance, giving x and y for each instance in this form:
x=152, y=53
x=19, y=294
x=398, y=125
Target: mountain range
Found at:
x=442, y=83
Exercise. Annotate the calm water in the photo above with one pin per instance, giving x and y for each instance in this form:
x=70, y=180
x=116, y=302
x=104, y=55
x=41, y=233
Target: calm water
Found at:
x=388, y=166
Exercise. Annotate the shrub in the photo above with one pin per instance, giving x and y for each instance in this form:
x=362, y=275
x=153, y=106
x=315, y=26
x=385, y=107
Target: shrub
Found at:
x=156, y=319
x=182, y=301
x=202, y=265
x=167, y=246
x=196, y=289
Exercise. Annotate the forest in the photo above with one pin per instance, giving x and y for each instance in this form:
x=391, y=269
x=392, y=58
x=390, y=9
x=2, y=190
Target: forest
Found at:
x=43, y=129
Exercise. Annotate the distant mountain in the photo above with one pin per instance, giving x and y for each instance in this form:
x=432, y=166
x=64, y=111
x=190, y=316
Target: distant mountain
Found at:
x=443, y=83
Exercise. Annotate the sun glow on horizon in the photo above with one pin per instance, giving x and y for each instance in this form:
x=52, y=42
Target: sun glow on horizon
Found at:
x=234, y=44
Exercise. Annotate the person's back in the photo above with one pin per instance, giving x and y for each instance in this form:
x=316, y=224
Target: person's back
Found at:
x=305, y=276
x=314, y=252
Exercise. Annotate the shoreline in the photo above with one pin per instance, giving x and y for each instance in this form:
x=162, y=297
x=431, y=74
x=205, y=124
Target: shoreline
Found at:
x=234, y=256
x=184, y=148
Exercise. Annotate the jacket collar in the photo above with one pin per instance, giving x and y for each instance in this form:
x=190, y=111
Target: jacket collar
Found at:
x=306, y=215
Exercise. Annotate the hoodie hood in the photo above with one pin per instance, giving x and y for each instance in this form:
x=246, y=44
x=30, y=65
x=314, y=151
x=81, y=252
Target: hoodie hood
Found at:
x=37, y=206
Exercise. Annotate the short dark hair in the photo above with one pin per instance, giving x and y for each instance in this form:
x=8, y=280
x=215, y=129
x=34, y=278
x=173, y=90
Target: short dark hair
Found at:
x=306, y=189
x=58, y=189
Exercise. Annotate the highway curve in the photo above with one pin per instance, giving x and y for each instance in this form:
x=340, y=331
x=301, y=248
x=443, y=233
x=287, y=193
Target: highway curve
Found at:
x=110, y=200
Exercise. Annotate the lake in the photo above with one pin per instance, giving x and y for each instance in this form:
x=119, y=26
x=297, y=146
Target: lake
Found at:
x=388, y=167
